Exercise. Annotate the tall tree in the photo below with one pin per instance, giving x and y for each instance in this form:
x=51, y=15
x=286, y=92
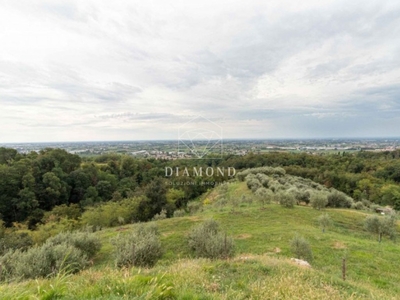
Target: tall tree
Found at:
x=156, y=193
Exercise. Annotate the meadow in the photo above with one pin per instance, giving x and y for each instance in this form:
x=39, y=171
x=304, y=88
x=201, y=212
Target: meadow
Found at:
x=260, y=269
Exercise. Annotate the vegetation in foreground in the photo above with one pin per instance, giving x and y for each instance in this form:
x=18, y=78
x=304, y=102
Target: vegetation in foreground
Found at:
x=261, y=269
x=244, y=277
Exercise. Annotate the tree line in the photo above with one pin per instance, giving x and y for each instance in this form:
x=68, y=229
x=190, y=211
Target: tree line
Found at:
x=32, y=184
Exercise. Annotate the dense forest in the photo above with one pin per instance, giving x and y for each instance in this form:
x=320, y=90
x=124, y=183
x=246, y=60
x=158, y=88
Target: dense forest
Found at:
x=35, y=183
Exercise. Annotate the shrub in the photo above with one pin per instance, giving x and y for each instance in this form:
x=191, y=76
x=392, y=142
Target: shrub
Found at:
x=72, y=211
x=161, y=216
x=381, y=225
x=253, y=183
x=339, y=199
x=48, y=260
x=301, y=248
x=263, y=170
x=206, y=202
x=304, y=196
x=358, y=205
x=283, y=180
x=140, y=248
x=84, y=241
x=295, y=192
x=324, y=221
x=109, y=214
x=7, y=265
x=207, y=240
x=318, y=200
x=275, y=186
x=366, y=203
x=389, y=225
x=286, y=199
x=43, y=261
x=179, y=213
x=264, y=196
x=242, y=175
x=14, y=241
x=52, y=228
x=264, y=179
x=150, y=228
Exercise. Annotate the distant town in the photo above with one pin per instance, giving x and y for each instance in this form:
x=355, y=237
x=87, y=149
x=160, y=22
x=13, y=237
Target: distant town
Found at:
x=189, y=149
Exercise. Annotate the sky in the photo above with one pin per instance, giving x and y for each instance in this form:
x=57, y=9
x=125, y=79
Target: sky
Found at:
x=132, y=70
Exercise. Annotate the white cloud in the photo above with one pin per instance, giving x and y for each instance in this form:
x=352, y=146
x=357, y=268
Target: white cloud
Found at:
x=90, y=70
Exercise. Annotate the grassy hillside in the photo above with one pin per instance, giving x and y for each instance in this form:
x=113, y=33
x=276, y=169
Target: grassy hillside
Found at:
x=261, y=269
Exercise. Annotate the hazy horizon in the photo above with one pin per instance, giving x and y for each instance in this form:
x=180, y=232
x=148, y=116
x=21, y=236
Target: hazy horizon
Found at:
x=227, y=140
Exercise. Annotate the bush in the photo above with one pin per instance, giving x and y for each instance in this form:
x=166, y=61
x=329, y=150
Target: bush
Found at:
x=318, y=200
x=49, y=260
x=253, y=183
x=84, y=241
x=14, y=241
x=262, y=170
x=52, y=228
x=161, y=216
x=366, y=203
x=264, y=179
x=140, y=248
x=286, y=199
x=294, y=191
x=109, y=214
x=207, y=240
x=275, y=186
x=304, y=196
x=381, y=225
x=339, y=199
x=301, y=248
x=46, y=260
x=389, y=225
x=179, y=213
x=283, y=180
x=324, y=221
x=358, y=205
x=264, y=196
x=72, y=211
x=148, y=228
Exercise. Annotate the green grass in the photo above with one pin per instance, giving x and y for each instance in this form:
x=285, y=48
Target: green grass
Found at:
x=261, y=269
x=245, y=277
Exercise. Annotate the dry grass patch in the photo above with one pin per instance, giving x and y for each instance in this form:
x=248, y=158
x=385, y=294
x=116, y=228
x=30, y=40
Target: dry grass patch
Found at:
x=195, y=218
x=277, y=250
x=243, y=236
x=166, y=234
x=339, y=245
